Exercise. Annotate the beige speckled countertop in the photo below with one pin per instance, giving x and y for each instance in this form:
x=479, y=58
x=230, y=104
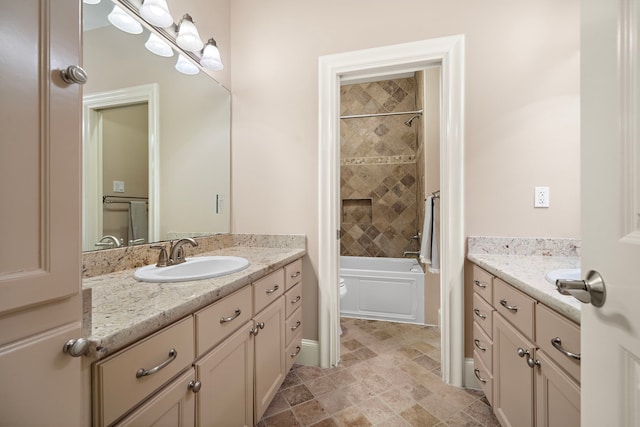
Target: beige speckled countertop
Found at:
x=125, y=310
x=524, y=262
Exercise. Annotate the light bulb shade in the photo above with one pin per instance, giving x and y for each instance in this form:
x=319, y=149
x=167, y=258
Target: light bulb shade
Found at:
x=90, y=1
x=156, y=12
x=186, y=67
x=211, y=57
x=158, y=46
x=123, y=21
x=188, y=37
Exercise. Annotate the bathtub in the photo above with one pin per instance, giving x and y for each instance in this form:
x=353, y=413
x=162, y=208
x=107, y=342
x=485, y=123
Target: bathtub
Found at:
x=383, y=289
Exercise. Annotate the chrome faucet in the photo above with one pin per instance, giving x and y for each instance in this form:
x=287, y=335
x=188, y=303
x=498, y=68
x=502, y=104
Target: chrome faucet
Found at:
x=109, y=241
x=411, y=253
x=176, y=253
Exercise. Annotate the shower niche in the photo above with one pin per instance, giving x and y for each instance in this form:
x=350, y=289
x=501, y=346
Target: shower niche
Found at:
x=357, y=211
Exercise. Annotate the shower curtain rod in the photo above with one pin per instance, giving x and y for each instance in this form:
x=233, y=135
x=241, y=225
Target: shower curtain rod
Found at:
x=358, y=116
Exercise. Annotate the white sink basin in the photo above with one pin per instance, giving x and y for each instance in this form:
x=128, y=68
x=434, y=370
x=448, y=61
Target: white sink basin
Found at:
x=197, y=268
x=564, y=274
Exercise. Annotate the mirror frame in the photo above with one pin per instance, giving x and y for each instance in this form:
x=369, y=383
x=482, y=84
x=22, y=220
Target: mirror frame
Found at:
x=92, y=207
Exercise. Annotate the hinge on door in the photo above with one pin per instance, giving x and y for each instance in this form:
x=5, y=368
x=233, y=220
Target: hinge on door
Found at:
x=338, y=234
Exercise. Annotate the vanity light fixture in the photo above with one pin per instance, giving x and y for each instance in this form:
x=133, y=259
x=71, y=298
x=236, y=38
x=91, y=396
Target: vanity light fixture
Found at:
x=156, y=12
x=211, y=56
x=188, y=37
x=158, y=46
x=90, y=1
x=186, y=67
x=123, y=21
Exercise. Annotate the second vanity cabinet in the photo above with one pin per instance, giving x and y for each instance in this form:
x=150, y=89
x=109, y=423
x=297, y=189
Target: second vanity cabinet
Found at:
x=525, y=364
x=220, y=366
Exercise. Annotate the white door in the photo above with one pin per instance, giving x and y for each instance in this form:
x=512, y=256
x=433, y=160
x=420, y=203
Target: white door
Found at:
x=610, y=171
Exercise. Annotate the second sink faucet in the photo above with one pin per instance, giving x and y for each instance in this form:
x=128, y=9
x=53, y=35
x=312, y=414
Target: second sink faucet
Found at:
x=176, y=253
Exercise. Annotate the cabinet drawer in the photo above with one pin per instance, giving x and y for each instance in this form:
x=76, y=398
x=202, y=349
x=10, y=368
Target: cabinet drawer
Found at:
x=483, y=345
x=222, y=318
x=267, y=290
x=482, y=314
x=293, y=350
x=514, y=306
x=293, y=274
x=484, y=376
x=550, y=327
x=117, y=387
x=294, y=299
x=483, y=283
x=293, y=326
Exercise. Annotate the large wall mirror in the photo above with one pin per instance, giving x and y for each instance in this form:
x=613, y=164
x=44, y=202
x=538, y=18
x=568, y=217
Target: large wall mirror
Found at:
x=156, y=142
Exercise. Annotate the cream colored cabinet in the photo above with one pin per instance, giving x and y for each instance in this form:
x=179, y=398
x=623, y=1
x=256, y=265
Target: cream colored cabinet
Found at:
x=528, y=363
x=226, y=375
x=40, y=264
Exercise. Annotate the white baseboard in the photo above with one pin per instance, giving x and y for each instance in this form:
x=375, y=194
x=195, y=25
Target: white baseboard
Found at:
x=470, y=380
x=310, y=353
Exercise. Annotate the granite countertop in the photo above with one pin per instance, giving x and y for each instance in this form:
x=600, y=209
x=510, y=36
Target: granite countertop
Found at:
x=124, y=310
x=527, y=273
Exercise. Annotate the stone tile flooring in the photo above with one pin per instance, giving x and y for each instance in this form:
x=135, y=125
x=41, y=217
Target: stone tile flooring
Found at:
x=389, y=375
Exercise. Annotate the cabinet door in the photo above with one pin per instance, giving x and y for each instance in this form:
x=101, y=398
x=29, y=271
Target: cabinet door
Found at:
x=226, y=375
x=512, y=377
x=269, y=354
x=173, y=406
x=557, y=396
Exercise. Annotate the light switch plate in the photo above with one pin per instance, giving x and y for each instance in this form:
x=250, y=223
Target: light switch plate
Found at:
x=118, y=186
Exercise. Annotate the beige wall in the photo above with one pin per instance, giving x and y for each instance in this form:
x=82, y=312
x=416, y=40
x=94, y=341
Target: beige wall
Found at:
x=521, y=112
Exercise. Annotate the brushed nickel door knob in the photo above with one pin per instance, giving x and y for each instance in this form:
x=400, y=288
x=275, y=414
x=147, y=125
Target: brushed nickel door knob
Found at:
x=74, y=74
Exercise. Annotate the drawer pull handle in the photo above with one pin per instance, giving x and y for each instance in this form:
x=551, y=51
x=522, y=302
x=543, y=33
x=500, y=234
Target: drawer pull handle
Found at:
x=272, y=290
x=479, y=284
x=255, y=331
x=480, y=315
x=514, y=308
x=296, y=353
x=557, y=344
x=476, y=372
x=298, y=323
x=298, y=298
x=230, y=318
x=145, y=373
x=296, y=274
x=478, y=346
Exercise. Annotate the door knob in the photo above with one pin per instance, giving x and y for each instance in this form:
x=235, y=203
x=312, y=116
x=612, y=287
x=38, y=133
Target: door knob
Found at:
x=589, y=291
x=74, y=74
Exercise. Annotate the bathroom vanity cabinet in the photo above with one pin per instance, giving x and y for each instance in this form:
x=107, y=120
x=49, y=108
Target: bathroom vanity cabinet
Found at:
x=525, y=356
x=222, y=365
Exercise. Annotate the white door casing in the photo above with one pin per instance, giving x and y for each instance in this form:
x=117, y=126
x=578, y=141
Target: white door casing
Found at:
x=92, y=157
x=610, y=170
x=449, y=52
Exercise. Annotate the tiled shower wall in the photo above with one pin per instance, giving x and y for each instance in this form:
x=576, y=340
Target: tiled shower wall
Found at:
x=378, y=176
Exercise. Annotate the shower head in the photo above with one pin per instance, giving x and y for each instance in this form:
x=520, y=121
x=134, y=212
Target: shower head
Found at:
x=408, y=122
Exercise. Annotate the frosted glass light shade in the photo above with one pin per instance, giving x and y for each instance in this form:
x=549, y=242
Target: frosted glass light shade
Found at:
x=211, y=57
x=186, y=67
x=188, y=37
x=156, y=12
x=158, y=46
x=123, y=21
x=90, y=1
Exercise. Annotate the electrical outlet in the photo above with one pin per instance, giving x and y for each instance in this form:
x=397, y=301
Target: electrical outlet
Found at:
x=541, y=197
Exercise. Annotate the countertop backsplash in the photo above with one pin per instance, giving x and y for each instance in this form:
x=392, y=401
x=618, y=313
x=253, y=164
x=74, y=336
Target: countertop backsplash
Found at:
x=97, y=263
x=524, y=246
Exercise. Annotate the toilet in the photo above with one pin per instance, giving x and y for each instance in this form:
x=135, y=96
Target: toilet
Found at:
x=343, y=291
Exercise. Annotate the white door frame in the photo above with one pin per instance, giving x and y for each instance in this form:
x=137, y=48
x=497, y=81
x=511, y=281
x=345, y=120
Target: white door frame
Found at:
x=449, y=52
x=92, y=156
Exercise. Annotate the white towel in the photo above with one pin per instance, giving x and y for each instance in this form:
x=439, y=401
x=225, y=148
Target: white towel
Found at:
x=138, y=223
x=429, y=246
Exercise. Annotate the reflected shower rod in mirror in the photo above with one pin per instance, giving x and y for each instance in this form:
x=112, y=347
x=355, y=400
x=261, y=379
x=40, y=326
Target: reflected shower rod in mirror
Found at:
x=399, y=113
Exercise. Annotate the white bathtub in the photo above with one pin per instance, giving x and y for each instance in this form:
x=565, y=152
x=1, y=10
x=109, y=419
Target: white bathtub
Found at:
x=383, y=289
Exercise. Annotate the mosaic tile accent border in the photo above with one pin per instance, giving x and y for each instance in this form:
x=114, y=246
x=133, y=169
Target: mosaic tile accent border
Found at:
x=524, y=246
x=381, y=160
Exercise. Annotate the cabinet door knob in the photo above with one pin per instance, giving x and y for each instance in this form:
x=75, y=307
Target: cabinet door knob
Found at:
x=74, y=74
x=76, y=348
x=195, y=386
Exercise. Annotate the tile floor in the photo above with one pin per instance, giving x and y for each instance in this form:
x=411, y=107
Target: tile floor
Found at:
x=389, y=375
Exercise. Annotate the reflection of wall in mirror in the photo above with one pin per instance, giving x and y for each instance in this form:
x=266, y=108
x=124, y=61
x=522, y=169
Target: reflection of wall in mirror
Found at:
x=194, y=127
x=125, y=151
